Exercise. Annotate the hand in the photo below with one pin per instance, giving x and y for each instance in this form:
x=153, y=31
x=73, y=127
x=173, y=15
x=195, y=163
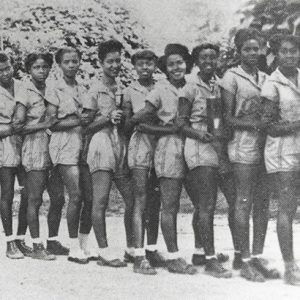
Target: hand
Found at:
x=205, y=137
x=50, y=121
x=85, y=119
x=17, y=126
x=116, y=116
x=260, y=125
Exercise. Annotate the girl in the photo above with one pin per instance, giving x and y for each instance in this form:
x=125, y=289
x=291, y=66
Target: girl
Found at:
x=201, y=151
x=140, y=152
x=168, y=160
x=106, y=155
x=281, y=91
x=66, y=139
x=31, y=112
x=241, y=88
x=10, y=146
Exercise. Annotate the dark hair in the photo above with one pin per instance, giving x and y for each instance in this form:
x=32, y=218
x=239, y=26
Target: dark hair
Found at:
x=244, y=35
x=60, y=53
x=33, y=57
x=4, y=58
x=108, y=46
x=179, y=49
x=144, y=54
x=278, y=39
x=198, y=49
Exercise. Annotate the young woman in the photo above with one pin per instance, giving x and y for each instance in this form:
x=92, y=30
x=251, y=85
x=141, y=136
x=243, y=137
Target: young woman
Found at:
x=201, y=151
x=168, y=160
x=281, y=92
x=140, y=154
x=10, y=147
x=31, y=112
x=106, y=155
x=241, y=88
x=66, y=139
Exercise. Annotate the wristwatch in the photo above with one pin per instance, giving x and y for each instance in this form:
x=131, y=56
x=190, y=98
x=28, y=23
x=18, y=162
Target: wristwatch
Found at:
x=48, y=131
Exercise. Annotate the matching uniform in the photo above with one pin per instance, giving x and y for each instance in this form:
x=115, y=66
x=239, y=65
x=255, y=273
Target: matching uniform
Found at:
x=107, y=148
x=35, y=148
x=197, y=153
x=282, y=154
x=65, y=146
x=246, y=147
x=168, y=157
x=10, y=147
x=141, y=146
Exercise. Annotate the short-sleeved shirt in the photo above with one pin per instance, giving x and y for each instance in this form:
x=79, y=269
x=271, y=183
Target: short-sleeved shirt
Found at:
x=69, y=98
x=34, y=101
x=135, y=95
x=246, y=146
x=102, y=100
x=8, y=103
x=165, y=99
x=283, y=153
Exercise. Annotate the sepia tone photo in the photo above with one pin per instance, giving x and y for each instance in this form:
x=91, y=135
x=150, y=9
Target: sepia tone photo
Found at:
x=149, y=149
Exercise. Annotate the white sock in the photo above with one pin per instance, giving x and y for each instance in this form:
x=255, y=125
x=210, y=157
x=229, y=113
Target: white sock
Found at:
x=20, y=237
x=130, y=250
x=139, y=252
x=83, y=241
x=199, y=251
x=10, y=238
x=74, y=245
x=210, y=256
x=246, y=259
x=36, y=240
x=237, y=252
x=173, y=255
x=53, y=238
x=152, y=247
x=257, y=255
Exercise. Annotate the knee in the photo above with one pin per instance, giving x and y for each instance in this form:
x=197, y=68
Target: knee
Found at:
x=170, y=208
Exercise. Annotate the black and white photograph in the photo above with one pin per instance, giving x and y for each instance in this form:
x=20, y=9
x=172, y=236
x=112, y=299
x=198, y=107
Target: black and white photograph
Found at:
x=149, y=149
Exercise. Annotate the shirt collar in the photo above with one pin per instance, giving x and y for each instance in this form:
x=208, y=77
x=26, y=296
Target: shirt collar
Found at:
x=278, y=77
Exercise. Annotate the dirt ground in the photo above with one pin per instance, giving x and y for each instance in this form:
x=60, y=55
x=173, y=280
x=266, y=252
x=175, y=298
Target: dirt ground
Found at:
x=31, y=279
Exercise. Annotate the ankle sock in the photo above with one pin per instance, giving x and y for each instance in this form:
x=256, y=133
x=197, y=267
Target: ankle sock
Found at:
x=83, y=241
x=173, y=255
x=208, y=257
x=130, y=250
x=10, y=238
x=152, y=247
x=139, y=252
x=199, y=251
x=53, y=238
x=20, y=237
x=36, y=240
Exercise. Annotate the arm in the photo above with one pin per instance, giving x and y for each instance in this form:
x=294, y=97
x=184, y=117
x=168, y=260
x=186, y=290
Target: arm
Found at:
x=157, y=130
x=66, y=123
x=128, y=113
x=249, y=124
x=184, y=112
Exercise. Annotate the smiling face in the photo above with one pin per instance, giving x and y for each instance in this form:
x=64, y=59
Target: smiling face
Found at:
x=6, y=73
x=70, y=63
x=111, y=65
x=207, y=61
x=288, y=55
x=145, y=68
x=250, y=52
x=176, y=67
x=39, y=70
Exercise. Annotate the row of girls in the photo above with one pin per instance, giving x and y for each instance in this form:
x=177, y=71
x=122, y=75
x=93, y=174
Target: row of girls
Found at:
x=154, y=132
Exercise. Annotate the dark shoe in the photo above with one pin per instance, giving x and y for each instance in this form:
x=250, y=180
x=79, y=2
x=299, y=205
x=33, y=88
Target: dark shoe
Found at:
x=198, y=259
x=142, y=266
x=39, y=252
x=250, y=273
x=78, y=257
x=180, y=266
x=214, y=268
x=292, y=275
x=128, y=258
x=27, y=251
x=155, y=259
x=56, y=248
x=237, y=261
x=222, y=257
x=262, y=267
x=12, y=251
x=114, y=263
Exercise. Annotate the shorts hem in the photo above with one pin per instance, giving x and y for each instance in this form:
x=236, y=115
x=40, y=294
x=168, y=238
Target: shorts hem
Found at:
x=102, y=169
x=204, y=165
x=283, y=170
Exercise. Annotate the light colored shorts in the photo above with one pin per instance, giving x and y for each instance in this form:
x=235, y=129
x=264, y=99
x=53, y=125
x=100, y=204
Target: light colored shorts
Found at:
x=107, y=152
x=35, y=152
x=65, y=146
x=169, y=158
x=141, y=151
x=10, y=151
